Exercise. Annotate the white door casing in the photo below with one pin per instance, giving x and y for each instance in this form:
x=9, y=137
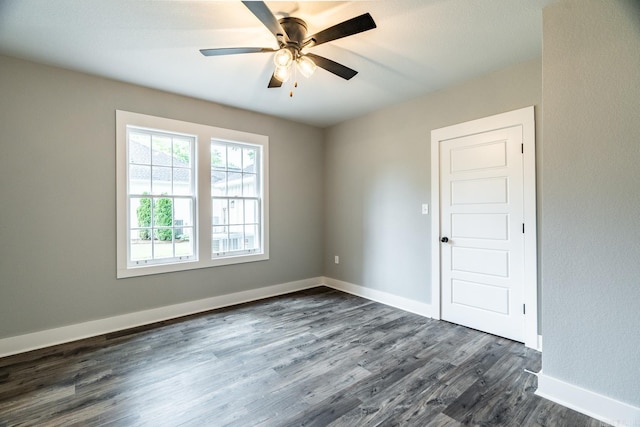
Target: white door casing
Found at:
x=483, y=194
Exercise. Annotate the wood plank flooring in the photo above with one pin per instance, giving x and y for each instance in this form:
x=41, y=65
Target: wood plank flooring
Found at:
x=314, y=358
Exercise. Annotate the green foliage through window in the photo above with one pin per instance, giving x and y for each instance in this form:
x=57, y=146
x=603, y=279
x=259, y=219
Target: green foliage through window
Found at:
x=144, y=217
x=163, y=211
x=164, y=217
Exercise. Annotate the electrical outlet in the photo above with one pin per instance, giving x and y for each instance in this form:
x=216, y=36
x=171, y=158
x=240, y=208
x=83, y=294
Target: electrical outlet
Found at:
x=337, y=259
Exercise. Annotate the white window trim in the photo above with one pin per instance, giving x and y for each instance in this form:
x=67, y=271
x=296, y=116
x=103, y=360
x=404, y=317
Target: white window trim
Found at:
x=193, y=196
x=230, y=252
x=202, y=250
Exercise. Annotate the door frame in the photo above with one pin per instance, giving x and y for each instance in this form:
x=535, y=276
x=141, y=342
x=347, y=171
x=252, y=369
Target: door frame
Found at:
x=523, y=117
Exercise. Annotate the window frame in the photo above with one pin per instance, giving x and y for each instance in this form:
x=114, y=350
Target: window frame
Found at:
x=154, y=195
x=232, y=198
x=204, y=135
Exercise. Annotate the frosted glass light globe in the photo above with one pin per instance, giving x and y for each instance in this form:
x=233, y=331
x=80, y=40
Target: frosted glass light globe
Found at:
x=283, y=58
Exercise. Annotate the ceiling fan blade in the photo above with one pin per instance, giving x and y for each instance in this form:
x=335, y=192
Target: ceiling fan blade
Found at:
x=274, y=82
x=332, y=66
x=347, y=28
x=262, y=12
x=234, y=50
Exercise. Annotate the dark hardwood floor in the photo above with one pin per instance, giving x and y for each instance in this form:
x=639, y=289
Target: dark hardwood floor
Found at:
x=314, y=358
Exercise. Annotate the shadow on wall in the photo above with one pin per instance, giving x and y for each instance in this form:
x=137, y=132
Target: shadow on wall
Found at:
x=633, y=13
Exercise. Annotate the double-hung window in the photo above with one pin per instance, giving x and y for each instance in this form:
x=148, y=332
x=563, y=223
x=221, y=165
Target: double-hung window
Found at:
x=188, y=195
x=161, y=197
x=235, y=198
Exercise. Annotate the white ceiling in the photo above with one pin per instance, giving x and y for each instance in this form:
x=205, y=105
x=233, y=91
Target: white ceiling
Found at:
x=420, y=46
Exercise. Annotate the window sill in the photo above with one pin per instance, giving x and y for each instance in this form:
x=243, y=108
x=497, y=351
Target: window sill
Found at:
x=147, y=270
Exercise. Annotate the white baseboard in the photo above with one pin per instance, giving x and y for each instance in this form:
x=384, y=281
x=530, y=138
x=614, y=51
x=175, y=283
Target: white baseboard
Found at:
x=595, y=405
x=49, y=337
x=402, y=303
x=608, y=410
x=64, y=334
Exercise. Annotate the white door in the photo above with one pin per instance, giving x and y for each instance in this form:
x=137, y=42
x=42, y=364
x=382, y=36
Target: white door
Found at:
x=481, y=229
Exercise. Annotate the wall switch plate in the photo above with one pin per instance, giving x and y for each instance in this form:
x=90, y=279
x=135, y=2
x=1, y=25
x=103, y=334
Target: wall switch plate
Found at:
x=425, y=209
x=337, y=259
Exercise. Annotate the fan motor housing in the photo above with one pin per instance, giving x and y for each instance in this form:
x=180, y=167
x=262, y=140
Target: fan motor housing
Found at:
x=295, y=28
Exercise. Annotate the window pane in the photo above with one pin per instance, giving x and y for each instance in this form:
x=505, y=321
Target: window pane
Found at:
x=236, y=211
x=219, y=211
x=249, y=185
x=236, y=237
x=140, y=249
x=140, y=212
x=182, y=152
x=218, y=183
x=160, y=180
x=161, y=152
x=163, y=217
x=220, y=232
x=163, y=249
x=234, y=184
x=143, y=234
x=182, y=181
x=219, y=242
x=139, y=148
x=249, y=159
x=252, y=237
x=184, y=241
x=183, y=212
x=251, y=212
x=234, y=158
x=139, y=179
x=218, y=156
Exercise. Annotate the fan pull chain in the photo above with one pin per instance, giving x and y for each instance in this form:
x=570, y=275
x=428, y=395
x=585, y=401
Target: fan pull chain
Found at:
x=295, y=80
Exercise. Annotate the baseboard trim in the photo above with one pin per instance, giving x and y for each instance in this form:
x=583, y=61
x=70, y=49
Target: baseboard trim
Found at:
x=608, y=410
x=49, y=337
x=595, y=405
x=386, y=298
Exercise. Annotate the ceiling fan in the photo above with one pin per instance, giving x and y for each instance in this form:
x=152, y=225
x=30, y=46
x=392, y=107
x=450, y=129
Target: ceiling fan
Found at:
x=291, y=35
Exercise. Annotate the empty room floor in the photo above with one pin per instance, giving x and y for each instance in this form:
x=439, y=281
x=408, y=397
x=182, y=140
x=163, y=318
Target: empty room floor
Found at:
x=318, y=357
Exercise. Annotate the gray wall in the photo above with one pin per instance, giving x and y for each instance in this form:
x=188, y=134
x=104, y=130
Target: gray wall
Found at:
x=57, y=183
x=377, y=175
x=591, y=196
x=57, y=208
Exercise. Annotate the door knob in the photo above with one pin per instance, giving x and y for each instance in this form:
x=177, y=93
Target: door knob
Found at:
x=444, y=239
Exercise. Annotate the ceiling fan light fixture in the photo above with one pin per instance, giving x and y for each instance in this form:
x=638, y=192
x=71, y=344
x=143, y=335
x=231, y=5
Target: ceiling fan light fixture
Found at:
x=283, y=58
x=282, y=73
x=306, y=66
x=292, y=38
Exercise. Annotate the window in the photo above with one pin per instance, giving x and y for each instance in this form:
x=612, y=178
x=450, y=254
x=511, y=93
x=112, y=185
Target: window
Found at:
x=235, y=198
x=178, y=210
x=161, y=197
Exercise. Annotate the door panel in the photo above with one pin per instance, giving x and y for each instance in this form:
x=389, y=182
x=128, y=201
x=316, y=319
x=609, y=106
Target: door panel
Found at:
x=487, y=190
x=490, y=298
x=482, y=264
x=480, y=261
x=480, y=156
x=480, y=226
